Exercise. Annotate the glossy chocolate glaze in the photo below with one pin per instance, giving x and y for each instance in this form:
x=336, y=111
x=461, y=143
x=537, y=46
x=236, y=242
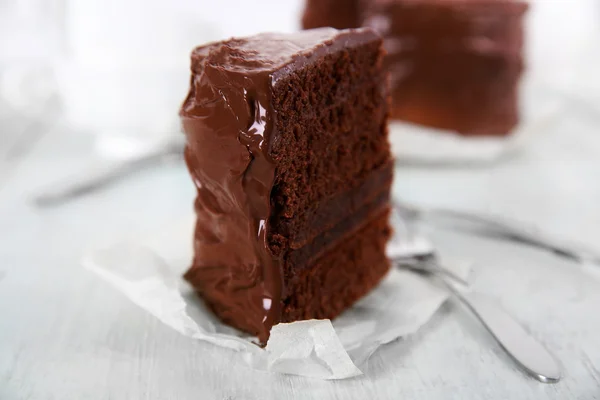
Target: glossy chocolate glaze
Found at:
x=230, y=125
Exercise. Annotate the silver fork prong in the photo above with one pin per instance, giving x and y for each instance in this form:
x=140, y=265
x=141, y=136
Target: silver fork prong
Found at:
x=506, y=227
x=429, y=265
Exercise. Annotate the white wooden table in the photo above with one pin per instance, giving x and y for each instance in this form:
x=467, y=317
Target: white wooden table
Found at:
x=65, y=334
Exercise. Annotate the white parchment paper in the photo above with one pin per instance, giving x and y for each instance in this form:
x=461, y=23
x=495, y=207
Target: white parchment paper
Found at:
x=148, y=272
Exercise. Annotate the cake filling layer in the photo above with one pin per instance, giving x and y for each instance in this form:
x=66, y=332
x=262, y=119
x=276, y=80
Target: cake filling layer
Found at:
x=300, y=259
x=327, y=213
x=342, y=275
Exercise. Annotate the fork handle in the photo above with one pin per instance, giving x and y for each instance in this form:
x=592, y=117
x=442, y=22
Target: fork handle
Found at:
x=428, y=266
x=98, y=176
x=529, y=354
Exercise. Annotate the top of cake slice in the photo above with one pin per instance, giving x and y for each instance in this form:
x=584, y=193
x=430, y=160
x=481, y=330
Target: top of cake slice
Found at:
x=240, y=72
x=275, y=53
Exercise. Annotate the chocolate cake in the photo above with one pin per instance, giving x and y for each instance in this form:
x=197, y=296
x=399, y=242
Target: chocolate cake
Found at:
x=340, y=14
x=287, y=145
x=454, y=64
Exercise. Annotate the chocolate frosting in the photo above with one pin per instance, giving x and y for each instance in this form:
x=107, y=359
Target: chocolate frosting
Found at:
x=230, y=125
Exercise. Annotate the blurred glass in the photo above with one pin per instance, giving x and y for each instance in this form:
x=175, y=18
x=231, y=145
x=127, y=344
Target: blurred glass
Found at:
x=127, y=68
x=31, y=40
x=30, y=30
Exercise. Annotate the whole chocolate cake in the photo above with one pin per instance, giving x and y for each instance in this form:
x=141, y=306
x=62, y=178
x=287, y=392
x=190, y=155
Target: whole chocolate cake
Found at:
x=454, y=64
x=287, y=145
x=340, y=14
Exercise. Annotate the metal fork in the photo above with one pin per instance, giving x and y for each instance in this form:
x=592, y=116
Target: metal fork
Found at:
x=530, y=355
x=95, y=177
x=508, y=228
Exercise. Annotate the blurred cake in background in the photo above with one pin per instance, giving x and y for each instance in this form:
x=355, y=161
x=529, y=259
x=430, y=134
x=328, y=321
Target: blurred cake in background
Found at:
x=339, y=14
x=454, y=64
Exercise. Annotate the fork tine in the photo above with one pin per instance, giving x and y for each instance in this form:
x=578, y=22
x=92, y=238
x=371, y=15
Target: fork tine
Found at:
x=428, y=265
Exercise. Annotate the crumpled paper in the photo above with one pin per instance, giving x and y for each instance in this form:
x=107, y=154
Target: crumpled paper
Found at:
x=148, y=272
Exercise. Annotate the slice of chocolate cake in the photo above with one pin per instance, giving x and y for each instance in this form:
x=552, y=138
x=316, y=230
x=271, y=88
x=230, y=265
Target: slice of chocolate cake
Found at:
x=287, y=145
x=454, y=64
